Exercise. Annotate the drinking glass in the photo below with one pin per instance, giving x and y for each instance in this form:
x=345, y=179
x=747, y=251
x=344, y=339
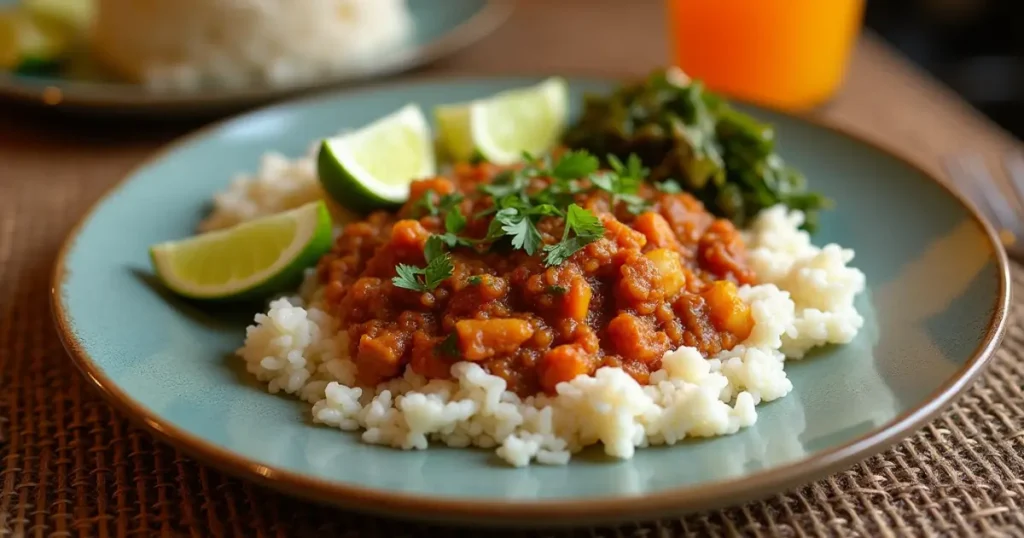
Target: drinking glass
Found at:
x=788, y=54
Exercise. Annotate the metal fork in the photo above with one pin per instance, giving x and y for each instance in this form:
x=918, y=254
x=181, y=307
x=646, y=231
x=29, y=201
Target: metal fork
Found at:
x=973, y=177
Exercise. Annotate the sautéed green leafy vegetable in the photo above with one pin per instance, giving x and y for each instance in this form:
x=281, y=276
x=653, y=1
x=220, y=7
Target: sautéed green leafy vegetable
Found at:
x=692, y=139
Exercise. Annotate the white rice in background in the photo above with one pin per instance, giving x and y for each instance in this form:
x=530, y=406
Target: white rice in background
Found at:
x=188, y=44
x=280, y=184
x=805, y=300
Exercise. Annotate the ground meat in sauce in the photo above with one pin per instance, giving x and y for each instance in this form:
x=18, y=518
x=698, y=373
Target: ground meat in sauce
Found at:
x=656, y=281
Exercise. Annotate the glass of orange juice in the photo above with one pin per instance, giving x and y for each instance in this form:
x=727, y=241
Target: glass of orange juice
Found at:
x=789, y=54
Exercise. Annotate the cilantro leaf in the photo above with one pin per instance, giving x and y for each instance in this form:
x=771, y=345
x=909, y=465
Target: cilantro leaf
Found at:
x=449, y=202
x=565, y=176
x=407, y=277
x=574, y=165
x=634, y=203
x=452, y=240
x=439, y=267
x=506, y=183
x=535, y=165
x=586, y=228
x=425, y=205
x=545, y=210
x=633, y=168
x=430, y=204
x=516, y=212
x=521, y=229
x=433, y=248
x=474, y=280
x=437, y=270
x=623, y=182
x=454, y=221
x=669, y=186
x=558, y=193
x=582, y=222
x=477, y=157
x=495, y=229
x=615, y=163
x=449, y=347
x=559, y=252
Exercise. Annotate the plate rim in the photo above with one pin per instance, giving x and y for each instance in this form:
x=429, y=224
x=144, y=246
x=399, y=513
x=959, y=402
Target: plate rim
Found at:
x=548, y=512
x=129, y=98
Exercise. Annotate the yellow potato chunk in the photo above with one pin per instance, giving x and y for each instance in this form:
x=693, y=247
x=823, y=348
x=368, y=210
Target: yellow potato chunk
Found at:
x=481, y=339
x=727, y=311
x=670, y=270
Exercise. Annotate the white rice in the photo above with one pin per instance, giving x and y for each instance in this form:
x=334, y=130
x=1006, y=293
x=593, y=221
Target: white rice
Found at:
x=806, y=299
x=188, y=44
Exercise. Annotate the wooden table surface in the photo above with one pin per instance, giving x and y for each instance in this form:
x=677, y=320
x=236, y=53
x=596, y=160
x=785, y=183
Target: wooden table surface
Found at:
x=52, y=168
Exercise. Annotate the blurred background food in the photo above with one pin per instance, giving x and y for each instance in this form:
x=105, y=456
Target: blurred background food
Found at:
x=190, y=44
x=37, y=36
x=187, y=44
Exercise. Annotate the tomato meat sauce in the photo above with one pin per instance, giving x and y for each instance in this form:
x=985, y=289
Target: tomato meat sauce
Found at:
x=664, y=278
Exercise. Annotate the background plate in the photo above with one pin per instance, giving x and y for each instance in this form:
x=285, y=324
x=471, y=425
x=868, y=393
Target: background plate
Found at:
x=441, y=28
x=935, y=308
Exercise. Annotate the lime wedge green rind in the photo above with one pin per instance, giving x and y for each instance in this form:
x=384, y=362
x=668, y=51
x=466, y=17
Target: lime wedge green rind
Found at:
x=371, y=168
x=252, y=260
x=38, y=66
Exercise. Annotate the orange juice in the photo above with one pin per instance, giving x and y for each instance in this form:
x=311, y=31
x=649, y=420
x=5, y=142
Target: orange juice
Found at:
x=790, y=54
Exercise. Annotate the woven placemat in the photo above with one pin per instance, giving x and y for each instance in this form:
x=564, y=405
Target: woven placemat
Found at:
x=71, y=466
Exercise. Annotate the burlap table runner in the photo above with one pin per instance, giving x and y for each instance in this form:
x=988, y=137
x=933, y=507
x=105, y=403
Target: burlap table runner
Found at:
x=70, y=466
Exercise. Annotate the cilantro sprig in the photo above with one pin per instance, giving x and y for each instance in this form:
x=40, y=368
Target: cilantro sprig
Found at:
x=433, y=205
x=623, y=182
x=585, y=228
x=517, y=223
x=454, y=223
x=439, y=267
x=439, y=262
x=449, y=347
x=669, y=186
x=573, y=165
x=515, y=212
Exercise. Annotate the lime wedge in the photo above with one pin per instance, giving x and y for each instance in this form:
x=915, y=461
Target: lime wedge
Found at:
x=250, y=260
x=372, y=168
x=503, y=126
x=74, y=15
x=31, y=44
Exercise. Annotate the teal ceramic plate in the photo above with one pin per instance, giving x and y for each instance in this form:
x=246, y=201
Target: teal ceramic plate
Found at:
x=440, y=29
x=935, y=310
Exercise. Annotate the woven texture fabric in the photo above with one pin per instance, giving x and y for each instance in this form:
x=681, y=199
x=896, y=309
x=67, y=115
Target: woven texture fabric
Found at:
x=71, y=466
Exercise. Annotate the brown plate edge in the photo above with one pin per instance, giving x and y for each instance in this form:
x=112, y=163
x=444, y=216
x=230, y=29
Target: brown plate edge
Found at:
x=552, y=512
